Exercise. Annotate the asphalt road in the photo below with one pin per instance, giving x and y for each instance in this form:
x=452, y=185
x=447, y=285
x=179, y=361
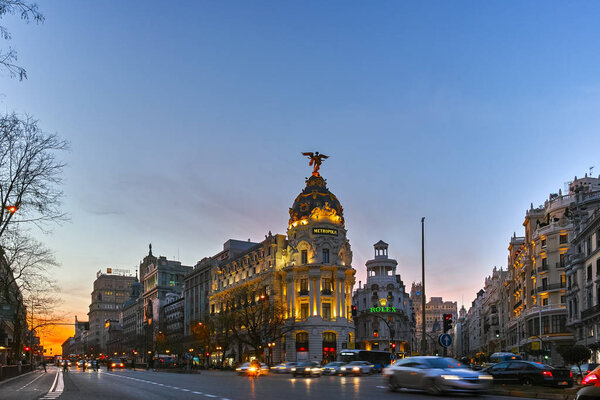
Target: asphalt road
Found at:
x=218, y=385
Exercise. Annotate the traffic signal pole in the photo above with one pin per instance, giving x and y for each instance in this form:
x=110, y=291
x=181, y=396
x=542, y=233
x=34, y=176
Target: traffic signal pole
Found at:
x=423, y=298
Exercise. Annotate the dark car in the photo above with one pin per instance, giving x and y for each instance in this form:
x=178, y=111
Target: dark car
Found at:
x=588, y=393
x=585, y=369
x=530, y=373
x=115, y=363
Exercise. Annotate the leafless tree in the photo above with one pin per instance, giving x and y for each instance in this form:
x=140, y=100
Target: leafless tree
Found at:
x=30, y=174
x=259, y=317
x=27, y=12
x=26, y=285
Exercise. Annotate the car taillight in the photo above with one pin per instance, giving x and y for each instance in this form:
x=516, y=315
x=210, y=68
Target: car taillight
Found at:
x=571, y=374
x=591, y=379
x=547, y=373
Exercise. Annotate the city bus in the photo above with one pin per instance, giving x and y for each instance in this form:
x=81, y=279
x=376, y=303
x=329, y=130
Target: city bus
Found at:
x=382, y=358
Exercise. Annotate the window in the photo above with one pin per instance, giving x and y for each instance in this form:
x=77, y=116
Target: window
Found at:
x=559, y=324
x=589, y=272
x=544, y=301
x=326, y=286
x=304, y=285
x=562, y=239
x=304, y=256
x=543, y=242
x=598, y=266
x=588, y=246
x=304, y=310
x=326, y=256
x=544, y=262
x=326, y=311
x=562, y=260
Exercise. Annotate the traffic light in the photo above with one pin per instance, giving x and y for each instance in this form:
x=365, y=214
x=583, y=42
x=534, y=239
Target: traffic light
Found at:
x=354, y=312
x=447, y=322
x=27, y=348
x=375, y=333
x=393, y=347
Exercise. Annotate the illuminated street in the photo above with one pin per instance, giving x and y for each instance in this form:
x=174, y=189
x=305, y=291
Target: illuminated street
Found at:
x=212, y=384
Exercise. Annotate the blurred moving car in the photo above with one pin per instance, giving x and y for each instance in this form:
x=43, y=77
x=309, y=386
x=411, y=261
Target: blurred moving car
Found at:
x=530, y=373
x=435, y=375
x=333, y=368
x=306, y=369
x=591, y=389
x=284, y=368
x=579, y=374
x=244, y=369
x=357, y=368
x=115, y=363
x=378, y=368
x=80, y=363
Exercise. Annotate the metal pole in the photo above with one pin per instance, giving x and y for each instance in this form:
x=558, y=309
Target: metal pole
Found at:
x=423, y=298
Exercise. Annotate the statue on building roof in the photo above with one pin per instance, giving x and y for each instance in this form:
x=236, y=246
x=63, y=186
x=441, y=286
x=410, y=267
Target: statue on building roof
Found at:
x=315, y=161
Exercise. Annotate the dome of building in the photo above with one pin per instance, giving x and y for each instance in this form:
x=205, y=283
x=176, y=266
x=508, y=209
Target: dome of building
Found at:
x=315, y=202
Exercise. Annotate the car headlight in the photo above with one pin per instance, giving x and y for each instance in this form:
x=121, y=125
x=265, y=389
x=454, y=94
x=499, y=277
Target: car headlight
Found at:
x=343, y=368
x=451, y=377
x=316, y=369
x=486, y=377
x=238, y=369
x=293, y=369
x=356, y=369
x=252, y=369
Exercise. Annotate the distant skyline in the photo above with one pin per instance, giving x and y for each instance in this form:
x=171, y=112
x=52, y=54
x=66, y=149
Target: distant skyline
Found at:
x=187, y=121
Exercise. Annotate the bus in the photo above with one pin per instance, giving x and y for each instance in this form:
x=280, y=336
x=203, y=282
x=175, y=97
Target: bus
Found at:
x=382, y=358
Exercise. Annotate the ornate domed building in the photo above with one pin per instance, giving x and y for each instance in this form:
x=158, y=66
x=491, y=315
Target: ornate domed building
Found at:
x=318, y=276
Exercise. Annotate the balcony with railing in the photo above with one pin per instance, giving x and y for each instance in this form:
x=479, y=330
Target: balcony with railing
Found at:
x=552, y=286
x=518, y=304
x=590, y=312
x=303, y=292
x=326, y=292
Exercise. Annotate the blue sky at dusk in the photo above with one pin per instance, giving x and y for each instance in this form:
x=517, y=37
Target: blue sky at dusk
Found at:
x=187, y=120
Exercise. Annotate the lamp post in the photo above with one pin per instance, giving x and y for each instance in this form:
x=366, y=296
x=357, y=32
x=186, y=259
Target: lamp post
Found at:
x=423, y=298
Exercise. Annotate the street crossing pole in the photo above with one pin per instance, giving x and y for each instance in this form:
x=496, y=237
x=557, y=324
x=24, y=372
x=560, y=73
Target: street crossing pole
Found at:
x=423, y=298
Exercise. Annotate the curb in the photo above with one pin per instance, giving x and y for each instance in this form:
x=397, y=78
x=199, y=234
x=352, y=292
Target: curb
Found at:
x=16, y=377
x=547, y=396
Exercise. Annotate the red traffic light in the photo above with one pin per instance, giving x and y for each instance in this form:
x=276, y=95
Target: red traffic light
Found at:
x=393, y=345
x=207, y=354
x=27, y=348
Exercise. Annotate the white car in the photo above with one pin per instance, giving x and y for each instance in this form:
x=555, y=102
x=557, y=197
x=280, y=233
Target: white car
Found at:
x=284, y=368
x=243, y=369
x=357, y=368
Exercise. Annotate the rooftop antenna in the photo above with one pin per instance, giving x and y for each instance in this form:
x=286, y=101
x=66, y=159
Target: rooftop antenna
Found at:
x=591, y=169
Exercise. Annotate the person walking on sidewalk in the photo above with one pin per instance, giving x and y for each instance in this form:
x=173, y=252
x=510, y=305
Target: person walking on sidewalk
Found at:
x=44, y=365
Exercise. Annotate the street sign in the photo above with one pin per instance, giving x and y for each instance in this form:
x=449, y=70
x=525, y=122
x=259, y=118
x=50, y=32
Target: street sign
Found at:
x=393, y=356
x=445, y=340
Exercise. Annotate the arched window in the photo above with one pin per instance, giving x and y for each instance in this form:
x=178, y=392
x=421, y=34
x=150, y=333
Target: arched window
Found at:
x=375, y=287
x=302, y=341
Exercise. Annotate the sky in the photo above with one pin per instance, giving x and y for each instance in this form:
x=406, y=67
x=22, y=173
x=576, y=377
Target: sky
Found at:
x=186, y=122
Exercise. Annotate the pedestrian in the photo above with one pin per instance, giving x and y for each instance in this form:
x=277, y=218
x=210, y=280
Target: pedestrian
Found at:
x=44, y=365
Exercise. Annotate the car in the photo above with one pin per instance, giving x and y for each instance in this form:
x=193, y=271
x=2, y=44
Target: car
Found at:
x=591, y=386
x=80, y=364
x=378, y=368
x=435, y=375
x=531, y=373
x=333, y=368
x=580, y=373
x=306, y=369
x=243, y=369
x=264, y=369
x=357, y=368
x=588, y=393
x=115, y=363
x=284, y=368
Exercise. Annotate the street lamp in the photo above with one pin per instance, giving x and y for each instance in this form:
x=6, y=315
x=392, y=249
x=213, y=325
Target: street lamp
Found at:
x=423, y=298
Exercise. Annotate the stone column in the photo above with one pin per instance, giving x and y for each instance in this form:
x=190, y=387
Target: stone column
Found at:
x=343, y=298
x=318, y=288
x=311, y=295
x=290, y=295
x=338, y=298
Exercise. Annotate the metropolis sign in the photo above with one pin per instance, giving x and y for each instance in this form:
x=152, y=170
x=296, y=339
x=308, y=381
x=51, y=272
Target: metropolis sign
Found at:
x=325, y=231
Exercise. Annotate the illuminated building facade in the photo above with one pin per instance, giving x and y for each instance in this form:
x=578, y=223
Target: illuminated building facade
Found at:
x=309, y=273
x=385, y=319
x=537, y=282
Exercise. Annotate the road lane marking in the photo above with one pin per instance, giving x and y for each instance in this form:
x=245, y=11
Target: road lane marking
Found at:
x=55, y=379
x=27, y=384
x=163, y=385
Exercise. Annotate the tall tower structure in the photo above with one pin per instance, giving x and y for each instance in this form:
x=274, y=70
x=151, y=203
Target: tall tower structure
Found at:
x=318, y=276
